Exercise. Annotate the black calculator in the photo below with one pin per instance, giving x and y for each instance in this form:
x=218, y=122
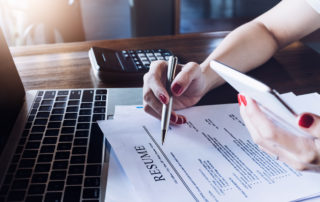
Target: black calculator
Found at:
x=116, y=66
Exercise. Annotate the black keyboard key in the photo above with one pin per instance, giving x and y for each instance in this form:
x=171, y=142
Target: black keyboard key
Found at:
x=30, y=153
x=52, y=132
x=28, y=125
x=58, y=175
x=53, y=197
x=83, y=126
x=54, y=125
x=31, y=118
x=15, y=158
x=64, y=146
x=41, y=122
x=93, y=170
x=79, y=150
x=85, y=112
x=84, y=119
x=43, y=114
x=71, y=116
x=58, y=111
x=47, y=149
x=100, y=103
x=59, y=104
x=104, y=97
x=99, y=110
x=61, y=98
x=98, y=97
x=26, y=163
x=67, y=130
x=72, y=109
x=56, y=186
x=60, y=165
x=101, y=91
x=45, y=157
x=63, y=92
x=38, y=99
x=23, y=173
x=37, y=189
x=74, y=180
x=8, y=179
x=19, y=149
x=69, y=122
x=39, y=178
x=92, y=182
x=42, y=168
x=90, y=193
x=34, y=198
x=33, y=111
x=72, y=193
x=87, y=96
x=16, y=195
x=74, y=102
x=56, y=117
x=22, y=141
x=45, y=108
x=49, y=94
x=49, y=140
x=38, y=129
x=86, y=105
x=95, y=145
x=62, y=155
x=47, y=102
x=82, y=133
x=76, y=169
x=75, y=94
x=20, y=184
x=12, y=168
x=35, y=105
x=66, y=138
x=78, y=159
x=80, y=141
x=98, y=117
x=33, y=145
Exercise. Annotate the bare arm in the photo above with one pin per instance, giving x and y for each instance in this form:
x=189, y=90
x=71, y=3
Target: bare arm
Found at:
x=253, y=43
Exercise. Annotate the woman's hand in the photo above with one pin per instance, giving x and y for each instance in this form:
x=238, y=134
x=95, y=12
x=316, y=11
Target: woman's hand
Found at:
x=302, y=153
x=187, y=88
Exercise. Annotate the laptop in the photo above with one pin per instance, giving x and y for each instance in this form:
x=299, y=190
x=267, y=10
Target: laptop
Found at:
x=51, y=148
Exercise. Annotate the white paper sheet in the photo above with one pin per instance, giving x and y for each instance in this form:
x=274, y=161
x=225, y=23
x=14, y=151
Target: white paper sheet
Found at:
x=210, y=158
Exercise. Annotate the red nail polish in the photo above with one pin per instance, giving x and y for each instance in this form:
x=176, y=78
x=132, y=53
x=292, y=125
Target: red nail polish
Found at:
x=239, y=99
x=243, y=100
x=173, y=118
x=163, y=98
x=180, y=120
x=306, y=121
x=177, y=89
x=184, y=120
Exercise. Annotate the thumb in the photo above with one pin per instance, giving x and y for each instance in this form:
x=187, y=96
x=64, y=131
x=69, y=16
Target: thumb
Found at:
x=310, y=123
x=185, y=77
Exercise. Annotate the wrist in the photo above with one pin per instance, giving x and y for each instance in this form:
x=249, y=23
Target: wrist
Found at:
x=211, y=78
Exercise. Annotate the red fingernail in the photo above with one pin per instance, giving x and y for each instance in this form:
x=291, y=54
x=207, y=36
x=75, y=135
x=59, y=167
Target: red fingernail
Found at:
x=243, y=100
x=184, y=120
x=180, y=120
x=163, y=98
x=239, y=99
x=306, y=121
x=173, y=118
x=177, y=89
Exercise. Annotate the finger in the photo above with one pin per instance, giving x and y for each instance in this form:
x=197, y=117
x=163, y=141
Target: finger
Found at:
x=155, y=80
x=268, y=131
x=185, y=77
x=310, y=123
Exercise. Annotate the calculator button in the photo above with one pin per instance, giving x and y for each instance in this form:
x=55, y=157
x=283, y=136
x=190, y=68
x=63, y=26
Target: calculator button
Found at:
x=150, y=54
x=141, y=55
x=157, y=54
x=146, y=62
x=160, y=58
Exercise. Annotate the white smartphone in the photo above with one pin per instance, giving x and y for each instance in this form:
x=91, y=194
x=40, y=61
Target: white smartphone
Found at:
x=269, y=101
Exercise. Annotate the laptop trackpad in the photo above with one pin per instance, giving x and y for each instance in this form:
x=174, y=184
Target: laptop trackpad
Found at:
x=122, y=96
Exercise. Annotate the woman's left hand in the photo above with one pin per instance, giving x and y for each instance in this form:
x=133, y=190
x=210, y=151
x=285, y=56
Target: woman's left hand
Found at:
x=302, y=153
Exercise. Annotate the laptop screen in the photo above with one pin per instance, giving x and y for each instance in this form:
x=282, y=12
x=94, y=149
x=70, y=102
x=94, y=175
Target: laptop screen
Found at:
x=11, y=92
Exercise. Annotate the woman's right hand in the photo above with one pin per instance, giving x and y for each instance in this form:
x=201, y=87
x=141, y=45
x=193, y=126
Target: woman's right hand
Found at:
x=187, y=88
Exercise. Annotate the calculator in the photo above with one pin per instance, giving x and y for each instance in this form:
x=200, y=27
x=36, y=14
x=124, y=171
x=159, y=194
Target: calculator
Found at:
x=125, y=65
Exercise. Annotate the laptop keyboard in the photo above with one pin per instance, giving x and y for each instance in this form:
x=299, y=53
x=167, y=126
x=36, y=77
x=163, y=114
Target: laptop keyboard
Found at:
x=59, y=156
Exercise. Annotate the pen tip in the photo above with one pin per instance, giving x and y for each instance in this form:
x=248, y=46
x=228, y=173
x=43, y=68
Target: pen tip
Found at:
x=163, y=135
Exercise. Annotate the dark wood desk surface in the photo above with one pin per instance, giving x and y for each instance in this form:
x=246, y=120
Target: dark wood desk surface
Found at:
x=295, y=68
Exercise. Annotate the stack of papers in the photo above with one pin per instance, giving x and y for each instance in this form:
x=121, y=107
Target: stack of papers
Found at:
x=210, y=158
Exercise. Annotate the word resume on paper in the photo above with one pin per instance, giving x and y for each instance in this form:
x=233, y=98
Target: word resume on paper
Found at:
x=210, y=158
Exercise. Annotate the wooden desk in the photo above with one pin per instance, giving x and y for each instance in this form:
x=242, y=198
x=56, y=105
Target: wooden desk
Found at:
x=295, y=68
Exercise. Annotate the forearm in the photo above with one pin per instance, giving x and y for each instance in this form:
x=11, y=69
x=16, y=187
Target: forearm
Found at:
x=245, y=48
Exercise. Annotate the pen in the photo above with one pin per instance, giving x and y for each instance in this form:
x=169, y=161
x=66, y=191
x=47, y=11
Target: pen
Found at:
x=166, y=108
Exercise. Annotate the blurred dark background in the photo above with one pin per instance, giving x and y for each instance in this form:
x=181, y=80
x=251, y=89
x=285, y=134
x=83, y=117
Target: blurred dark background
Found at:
x=46, y=21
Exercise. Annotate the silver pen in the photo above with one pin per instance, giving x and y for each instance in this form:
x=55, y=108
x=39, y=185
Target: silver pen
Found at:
x=166, y=108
